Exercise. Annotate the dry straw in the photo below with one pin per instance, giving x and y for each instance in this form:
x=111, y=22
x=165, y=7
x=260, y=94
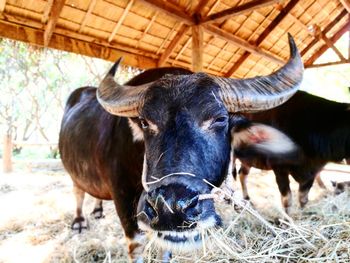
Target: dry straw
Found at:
x=319, y=233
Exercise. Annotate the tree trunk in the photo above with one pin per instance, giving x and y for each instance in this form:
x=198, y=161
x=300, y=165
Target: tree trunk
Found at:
x=7, y=154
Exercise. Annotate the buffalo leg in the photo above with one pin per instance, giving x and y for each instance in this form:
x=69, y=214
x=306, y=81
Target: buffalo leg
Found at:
x=79, y=222
x=282, y=179
x=243, y=174
x=98, y=209
x=125, y=198
x=304, y=189
x=127, y=214
x=135, y=247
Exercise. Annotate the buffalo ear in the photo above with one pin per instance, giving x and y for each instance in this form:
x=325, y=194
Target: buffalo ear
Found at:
x=255, y=139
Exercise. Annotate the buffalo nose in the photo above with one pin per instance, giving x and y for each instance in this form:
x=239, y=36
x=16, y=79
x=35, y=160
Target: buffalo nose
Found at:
x=172, y=207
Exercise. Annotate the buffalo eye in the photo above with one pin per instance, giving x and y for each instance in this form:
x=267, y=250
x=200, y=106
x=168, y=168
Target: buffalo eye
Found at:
x=218, y=122
x=144, y=123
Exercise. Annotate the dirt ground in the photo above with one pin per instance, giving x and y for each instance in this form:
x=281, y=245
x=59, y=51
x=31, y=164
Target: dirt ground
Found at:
x=37, y=210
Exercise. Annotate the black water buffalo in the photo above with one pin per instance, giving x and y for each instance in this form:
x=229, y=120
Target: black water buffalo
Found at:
x=157, y=145
x=320, y=128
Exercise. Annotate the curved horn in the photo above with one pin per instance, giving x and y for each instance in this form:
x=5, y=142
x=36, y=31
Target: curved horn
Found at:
x=265, y=92
x=118, y=99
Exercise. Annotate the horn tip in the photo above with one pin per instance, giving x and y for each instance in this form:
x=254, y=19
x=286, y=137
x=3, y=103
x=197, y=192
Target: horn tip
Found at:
x=294, y=52
x=293, y=47
x=115, y=66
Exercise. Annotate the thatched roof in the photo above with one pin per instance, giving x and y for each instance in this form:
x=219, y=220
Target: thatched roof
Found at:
x=240, y=38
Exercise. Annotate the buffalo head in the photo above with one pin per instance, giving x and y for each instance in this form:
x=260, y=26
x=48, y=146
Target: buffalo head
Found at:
x=186, y=121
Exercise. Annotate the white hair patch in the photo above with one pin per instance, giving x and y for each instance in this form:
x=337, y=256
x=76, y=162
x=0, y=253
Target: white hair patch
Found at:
x=137, y=132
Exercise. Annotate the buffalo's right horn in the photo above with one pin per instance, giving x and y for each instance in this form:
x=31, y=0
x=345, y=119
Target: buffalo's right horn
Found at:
x=266, y=92
x=121, y=100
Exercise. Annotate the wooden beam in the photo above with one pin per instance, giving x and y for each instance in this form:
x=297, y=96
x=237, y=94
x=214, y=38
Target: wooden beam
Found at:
x=47, y=10
x=295, y=19
x=200, y=7
x=120, y=20
x=87, y=14
x=320, y=35
x=347, y=61
x=315, y=32
x=241, y=43
x=86, y=47
x=233, y=55
x=325, y=31
x=55, y=11
x=323, y=49
x=196, y=12
x=183, y=48
x=283, y=13
x=237, y=10
x=170, y=10
x=346, y=4
x=179, y=15
x=178, y=37
x=154, y=16
x=217, y=55
x=167, y=37
x=197, y=48
x=2, y=5
x=75, y=35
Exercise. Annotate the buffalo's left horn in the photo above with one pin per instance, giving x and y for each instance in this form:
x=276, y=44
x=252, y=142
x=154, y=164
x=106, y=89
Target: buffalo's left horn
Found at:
x=266, y=92
x=121, y=100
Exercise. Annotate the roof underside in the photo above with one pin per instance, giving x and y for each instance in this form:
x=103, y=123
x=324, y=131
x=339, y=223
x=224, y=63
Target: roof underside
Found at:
x=240, y=38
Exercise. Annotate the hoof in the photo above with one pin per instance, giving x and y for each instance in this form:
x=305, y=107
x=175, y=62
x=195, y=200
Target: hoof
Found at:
x=79, y=223
x=238, y=209
x=303, y=204
x=98, y=213
x=287, y=209
x=303, y=200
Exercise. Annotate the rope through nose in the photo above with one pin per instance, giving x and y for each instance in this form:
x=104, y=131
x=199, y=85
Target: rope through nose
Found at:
x=215, y=194
x=157, y=180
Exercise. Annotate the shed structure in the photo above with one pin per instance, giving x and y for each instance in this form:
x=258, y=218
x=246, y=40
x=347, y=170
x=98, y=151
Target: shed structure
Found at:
x=241, y=38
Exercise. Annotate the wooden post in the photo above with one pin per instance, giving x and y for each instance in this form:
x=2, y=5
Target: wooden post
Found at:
x=197, y=48
x=56, y=8
x=7, y=154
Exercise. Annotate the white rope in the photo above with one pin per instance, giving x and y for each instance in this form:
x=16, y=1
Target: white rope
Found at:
x=217, y=194
x=144, y=175
x=157, y=180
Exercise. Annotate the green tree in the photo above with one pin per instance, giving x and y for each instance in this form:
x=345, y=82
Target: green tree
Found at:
x=35, y=83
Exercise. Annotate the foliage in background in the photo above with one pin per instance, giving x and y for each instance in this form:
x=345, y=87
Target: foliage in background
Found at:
x=35, y=83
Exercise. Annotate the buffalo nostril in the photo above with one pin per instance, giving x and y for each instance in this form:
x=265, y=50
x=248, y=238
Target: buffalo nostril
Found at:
x=192, y=205
x=193, y=202
x=150, y=209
